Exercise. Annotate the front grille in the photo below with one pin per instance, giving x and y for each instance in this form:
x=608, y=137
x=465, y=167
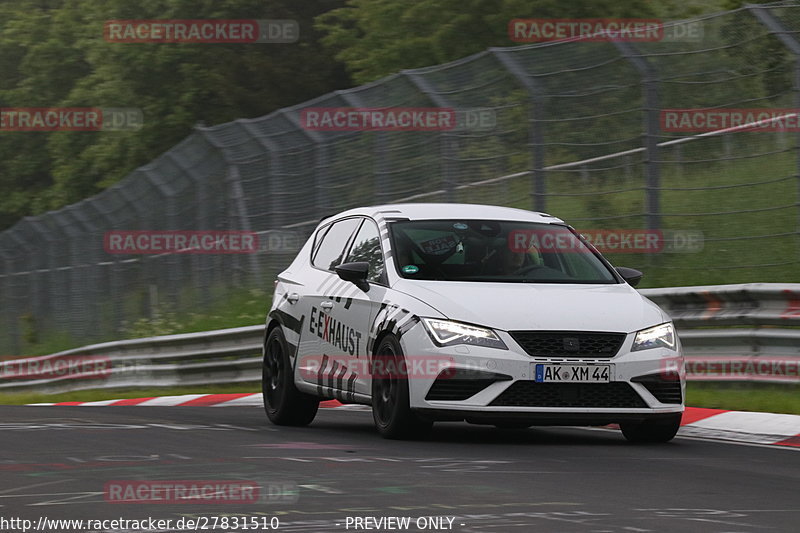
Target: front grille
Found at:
x=616, y=394
x=569, y=343
x=666, y=389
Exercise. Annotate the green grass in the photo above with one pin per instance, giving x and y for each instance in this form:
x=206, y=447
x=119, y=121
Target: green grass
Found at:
x=777, y=398
x=238, y=308
x=117, y=394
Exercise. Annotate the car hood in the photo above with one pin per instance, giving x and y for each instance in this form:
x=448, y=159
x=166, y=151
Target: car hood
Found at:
x=525, y=306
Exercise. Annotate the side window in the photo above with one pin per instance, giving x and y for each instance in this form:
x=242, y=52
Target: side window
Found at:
x=330, y=250
x=367, y=247
x=319, y=238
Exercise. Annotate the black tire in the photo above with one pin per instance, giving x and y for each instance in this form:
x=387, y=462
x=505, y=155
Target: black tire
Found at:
x=284, y=404
x=652, y=431
x=393, y=417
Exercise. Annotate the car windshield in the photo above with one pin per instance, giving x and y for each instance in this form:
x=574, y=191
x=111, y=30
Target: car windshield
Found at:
x=494, y=250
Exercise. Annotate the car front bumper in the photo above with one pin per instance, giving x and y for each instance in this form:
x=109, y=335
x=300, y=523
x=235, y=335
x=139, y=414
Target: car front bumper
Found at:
x=505, y=390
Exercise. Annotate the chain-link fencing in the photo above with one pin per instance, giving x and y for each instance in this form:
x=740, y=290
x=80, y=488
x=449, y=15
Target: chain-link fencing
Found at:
x=578, y=129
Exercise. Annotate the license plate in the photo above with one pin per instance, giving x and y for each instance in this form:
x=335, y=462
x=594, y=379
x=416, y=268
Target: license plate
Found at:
x=572, y=373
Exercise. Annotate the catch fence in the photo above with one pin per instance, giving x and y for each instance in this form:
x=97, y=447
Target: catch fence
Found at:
x=577, y=129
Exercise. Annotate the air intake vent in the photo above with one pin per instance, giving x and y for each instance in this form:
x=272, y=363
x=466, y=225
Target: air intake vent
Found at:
x=665, y=387
x=458, y=384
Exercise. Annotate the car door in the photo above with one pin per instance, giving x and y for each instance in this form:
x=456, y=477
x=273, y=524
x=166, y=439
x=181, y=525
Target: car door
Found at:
x=321, y=353
x=359, y=307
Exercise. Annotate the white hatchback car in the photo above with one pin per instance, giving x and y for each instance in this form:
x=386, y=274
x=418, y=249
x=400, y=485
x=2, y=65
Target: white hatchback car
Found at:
x=492, y=315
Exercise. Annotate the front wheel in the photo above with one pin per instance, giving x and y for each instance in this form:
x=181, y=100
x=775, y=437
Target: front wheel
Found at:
x=651, y=431
x=393, y=417
x=284, y=404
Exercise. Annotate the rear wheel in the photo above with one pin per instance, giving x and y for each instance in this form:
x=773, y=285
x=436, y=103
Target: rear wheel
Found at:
x=661, y=430
x=393, y=417
x=284, y=404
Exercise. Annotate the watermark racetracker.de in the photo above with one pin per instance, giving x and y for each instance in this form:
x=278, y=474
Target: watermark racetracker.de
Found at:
x=716, y=119
x=397, y=119
x=208, y=31
x=426, y=367
x=57, y=367
x=535, y=30
x=193, y=491
x=607, y=241
x=180, y=242
x=46, y=119
x=735, y=368
x=201, y=241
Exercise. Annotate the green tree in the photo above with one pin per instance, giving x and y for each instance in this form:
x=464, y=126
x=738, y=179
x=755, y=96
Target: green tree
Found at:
x=375, y=38
x=53, y=54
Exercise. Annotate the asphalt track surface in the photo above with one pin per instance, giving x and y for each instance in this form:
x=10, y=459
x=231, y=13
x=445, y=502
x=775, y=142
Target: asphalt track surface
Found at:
x=56, y=462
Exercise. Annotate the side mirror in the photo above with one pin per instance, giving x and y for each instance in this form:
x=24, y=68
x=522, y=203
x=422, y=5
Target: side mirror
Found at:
x=355, y=272
x=631, y=275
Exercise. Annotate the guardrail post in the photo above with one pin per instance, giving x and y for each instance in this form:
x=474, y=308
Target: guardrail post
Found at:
x=536, y=118
x=652, y=130
x=786, y=37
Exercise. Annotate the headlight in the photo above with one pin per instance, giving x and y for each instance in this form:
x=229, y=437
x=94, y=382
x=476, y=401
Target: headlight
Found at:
x=661, y=336
x=447, y=333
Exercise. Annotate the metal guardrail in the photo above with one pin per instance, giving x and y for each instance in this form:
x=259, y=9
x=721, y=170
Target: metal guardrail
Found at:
x=205, y=358
x=762, y=344
x=748, y=304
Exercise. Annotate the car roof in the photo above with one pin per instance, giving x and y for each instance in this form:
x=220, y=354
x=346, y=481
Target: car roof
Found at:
x=440, y=211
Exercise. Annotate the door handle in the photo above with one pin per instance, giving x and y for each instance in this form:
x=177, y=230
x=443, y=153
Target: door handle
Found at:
x=292, y=298
x=326, y=305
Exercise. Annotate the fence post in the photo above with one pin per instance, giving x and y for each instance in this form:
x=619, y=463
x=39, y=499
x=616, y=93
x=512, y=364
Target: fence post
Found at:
x=44, y=278
x=240, y=208
x=447, y=141
x=786, y=37
x=33, y=290
x=9, y=302
x=380, y=183
x=105, y=298
x=652, y=130
x=196, y=269
x=536, y=118
x=275, y=220
x=321, y=161
x=173, y=270
x=142, y=270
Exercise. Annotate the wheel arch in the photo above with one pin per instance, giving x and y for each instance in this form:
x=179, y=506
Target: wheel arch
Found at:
x=272, y=323
x=379, y=338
